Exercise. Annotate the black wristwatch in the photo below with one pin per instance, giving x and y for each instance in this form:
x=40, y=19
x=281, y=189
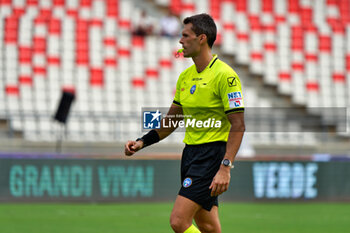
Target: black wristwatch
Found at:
x=227, y=163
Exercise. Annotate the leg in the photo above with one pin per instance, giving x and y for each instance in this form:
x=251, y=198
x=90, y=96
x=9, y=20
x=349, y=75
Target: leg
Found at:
x=183, y=213
x=208, y=222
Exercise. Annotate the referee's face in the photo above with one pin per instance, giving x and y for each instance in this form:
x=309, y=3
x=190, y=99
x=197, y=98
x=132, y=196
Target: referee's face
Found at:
x=190, y=41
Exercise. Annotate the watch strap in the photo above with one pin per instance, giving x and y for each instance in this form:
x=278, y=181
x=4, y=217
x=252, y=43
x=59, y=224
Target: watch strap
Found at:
x=227, y=163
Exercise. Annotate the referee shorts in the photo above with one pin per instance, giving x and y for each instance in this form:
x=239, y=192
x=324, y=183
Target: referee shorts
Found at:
x=199, y=165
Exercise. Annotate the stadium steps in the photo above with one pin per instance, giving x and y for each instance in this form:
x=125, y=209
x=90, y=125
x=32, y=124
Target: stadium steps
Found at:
x=271, y=97
x=313, y=35
x=86, y=129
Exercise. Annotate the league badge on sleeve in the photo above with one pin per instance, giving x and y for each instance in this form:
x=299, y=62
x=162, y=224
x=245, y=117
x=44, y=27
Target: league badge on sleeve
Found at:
x=235, y=99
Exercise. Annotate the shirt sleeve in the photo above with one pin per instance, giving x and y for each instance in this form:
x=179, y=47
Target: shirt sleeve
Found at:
x=176, y=100
x=230, y=90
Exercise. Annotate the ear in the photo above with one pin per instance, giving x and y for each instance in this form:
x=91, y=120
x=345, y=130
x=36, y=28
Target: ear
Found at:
x=203, y=38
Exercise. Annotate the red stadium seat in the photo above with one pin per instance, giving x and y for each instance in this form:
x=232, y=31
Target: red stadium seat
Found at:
x=32, y=2
x=256, y=56
x=138, y=41
x=110, y=62
x=39, y=45
x=165, y=63
x=54, y=61
x=138, y=82
x=41, y=70
x=112, y=8
x=294, y=45
x=25, y=54
x=152, y=73
x=96, y=77
x=5, y=2
x=25, y=80
x=284, y=76
x=124, y=52
x=125, y=24
x=312, y=86
x=18, y=12
x=11, y=30
x=58, y=2
x=12, y=90
x=339, y=77
x=110, y=42
x=72, y=13
x=325, y=43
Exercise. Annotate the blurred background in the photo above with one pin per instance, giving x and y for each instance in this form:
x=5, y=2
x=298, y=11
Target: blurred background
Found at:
x=117, y=56
x=108, y=59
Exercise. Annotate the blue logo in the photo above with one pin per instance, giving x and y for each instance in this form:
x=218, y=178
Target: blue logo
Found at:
x=151, y=120
x=234, y=95
x=193, y=88
x=187, y=182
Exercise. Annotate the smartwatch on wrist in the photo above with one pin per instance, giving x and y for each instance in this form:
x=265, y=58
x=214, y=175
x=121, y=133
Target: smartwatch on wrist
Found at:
x=227, y=163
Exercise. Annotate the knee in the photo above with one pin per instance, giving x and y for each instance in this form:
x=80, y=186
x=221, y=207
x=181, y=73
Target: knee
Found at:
x=178, y=224
x=209, y=227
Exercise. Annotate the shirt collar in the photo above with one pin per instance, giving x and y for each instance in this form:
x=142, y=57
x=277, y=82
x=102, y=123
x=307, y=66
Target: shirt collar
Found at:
x=211, y=63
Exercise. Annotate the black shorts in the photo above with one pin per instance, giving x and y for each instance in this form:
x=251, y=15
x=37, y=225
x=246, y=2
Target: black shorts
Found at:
x=199, y=165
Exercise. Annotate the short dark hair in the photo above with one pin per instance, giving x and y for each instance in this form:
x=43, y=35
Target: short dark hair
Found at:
x=203, y=24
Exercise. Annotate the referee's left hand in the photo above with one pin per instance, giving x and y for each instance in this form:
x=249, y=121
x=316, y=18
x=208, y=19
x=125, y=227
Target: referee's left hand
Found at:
x=221, y=181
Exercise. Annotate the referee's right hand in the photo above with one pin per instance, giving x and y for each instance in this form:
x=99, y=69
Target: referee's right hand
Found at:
x=131, y=147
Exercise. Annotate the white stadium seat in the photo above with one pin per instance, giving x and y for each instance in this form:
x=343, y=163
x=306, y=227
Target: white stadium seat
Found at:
x=91, y=48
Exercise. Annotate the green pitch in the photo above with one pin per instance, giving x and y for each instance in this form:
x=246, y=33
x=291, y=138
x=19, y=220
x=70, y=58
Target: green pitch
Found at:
x=154, y=218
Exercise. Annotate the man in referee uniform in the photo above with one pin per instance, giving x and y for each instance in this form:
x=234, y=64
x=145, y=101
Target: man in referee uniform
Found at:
x=209, y=89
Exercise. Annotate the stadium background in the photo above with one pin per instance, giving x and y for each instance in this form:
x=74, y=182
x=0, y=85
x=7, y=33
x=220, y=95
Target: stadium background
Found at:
x=293, y=56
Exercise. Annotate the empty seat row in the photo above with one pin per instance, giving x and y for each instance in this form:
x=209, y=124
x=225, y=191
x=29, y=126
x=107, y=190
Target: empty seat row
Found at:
x=113, y=73
x=302, y=46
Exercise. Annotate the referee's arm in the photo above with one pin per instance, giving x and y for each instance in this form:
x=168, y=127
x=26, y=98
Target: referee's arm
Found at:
x=235, y=136
x=222, y=178
x=175, y=110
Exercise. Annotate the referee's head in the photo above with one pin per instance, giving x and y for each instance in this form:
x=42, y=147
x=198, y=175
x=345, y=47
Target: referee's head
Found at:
x=203, y=24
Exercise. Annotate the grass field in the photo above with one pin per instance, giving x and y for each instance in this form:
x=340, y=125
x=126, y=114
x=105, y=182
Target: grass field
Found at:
x=153, y=218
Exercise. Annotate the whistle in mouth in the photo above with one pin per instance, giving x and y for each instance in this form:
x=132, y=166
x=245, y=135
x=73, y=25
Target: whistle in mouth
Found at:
x=178, y=52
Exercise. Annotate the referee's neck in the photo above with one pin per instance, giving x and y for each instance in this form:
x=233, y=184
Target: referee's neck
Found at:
x=202, y=60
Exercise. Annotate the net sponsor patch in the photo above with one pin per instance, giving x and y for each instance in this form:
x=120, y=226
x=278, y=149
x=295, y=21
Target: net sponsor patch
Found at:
x=235, y=99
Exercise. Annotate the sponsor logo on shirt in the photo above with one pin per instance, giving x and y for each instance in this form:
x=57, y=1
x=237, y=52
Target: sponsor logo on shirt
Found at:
x=235, y=99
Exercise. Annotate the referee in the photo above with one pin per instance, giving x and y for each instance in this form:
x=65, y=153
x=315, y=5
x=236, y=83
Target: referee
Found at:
x=209, y=89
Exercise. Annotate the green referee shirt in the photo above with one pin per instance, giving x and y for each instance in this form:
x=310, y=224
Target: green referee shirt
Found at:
x=206, y=98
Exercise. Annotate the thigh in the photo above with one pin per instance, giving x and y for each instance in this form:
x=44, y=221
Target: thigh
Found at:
x=208, y=221
x=183, y=212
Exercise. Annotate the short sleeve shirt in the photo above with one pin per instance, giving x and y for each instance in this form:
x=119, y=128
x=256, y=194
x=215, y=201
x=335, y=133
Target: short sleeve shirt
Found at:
x=206, y=99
